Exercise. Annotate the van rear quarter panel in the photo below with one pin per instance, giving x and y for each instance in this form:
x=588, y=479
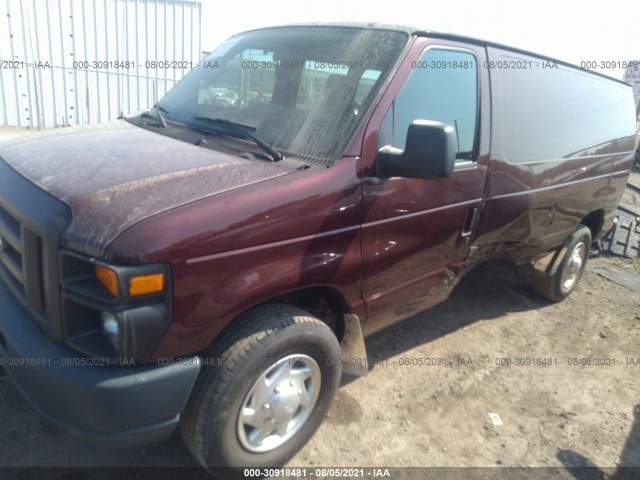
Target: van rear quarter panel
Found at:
x=561, y=148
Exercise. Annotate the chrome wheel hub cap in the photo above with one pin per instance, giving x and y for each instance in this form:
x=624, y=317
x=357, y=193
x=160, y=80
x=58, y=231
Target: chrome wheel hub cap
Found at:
x=574, y=266
x=279, y=403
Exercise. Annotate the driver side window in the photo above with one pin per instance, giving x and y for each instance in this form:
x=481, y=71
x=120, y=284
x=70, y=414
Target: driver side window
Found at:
x=442, y=87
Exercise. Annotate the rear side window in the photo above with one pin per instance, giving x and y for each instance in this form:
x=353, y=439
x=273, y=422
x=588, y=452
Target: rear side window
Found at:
x=442, y=87
x=546, y=111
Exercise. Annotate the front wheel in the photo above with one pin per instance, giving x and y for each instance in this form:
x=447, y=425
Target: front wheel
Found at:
x=561, y=281
x=263, y=391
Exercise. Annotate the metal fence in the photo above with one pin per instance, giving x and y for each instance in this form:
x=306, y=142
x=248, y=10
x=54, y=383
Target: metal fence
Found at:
x=68, y=62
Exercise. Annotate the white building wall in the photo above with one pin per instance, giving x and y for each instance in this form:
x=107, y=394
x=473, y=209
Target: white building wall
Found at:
x=68, y=62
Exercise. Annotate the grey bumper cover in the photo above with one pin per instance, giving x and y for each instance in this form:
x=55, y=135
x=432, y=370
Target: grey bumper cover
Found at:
x=118, y=406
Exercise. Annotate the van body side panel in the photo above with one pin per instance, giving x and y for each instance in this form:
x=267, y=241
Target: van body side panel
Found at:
x=412, y=244
x=523, y=221
x=303, y=232
x=560, y=150
x=617, y=184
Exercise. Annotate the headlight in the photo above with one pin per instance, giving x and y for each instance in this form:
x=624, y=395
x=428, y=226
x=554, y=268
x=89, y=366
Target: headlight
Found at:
x=115, y=312
x=110, y=327
x=137, y=285
x=108, y=278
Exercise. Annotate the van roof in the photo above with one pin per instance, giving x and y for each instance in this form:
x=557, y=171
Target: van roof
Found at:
x=424, y=32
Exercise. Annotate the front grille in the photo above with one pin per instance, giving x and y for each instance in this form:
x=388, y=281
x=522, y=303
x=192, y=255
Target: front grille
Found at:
x=31, y=223
x=21, y=263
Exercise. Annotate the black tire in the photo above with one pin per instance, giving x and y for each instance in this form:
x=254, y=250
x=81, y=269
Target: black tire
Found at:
x=558, y=286
x=270, y=339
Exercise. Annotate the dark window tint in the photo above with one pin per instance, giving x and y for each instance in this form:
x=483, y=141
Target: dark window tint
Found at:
x=548, y=111
x=442, y=87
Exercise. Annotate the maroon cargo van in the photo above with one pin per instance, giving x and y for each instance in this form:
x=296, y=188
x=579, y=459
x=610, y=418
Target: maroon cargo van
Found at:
x=217, y=261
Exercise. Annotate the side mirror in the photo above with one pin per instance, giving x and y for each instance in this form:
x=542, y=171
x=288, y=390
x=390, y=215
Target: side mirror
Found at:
x=430, y=152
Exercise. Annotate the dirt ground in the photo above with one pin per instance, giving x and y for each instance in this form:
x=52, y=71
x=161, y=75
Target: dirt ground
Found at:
x=517, y=382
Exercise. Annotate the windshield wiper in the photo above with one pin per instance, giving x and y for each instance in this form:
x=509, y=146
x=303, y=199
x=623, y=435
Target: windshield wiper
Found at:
x=243, y=130
x=157, y=115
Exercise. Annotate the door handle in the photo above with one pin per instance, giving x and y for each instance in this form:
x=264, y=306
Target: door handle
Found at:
x=469, y=224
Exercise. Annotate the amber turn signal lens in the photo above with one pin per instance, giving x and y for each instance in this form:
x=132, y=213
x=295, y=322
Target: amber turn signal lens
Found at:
x=108, y=279
x=146, y=284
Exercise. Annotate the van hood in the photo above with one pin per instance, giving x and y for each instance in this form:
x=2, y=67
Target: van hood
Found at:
x=114, y=175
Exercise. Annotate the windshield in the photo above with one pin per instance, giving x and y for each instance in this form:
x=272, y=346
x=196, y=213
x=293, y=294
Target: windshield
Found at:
x=301, y=90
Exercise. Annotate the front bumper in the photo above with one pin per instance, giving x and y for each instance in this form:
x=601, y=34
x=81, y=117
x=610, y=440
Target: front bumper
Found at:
x=119, y=406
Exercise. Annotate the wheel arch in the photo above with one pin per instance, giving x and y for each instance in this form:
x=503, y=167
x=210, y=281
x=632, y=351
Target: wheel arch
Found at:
x=328, y=305
x=595, y=222
x=324, y=302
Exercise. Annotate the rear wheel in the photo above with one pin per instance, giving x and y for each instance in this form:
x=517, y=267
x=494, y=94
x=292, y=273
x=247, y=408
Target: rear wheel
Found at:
x=263, y=391
x=558, y=283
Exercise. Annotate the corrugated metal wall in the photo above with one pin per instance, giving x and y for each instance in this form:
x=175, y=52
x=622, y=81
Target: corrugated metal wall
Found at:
x=68, y=62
